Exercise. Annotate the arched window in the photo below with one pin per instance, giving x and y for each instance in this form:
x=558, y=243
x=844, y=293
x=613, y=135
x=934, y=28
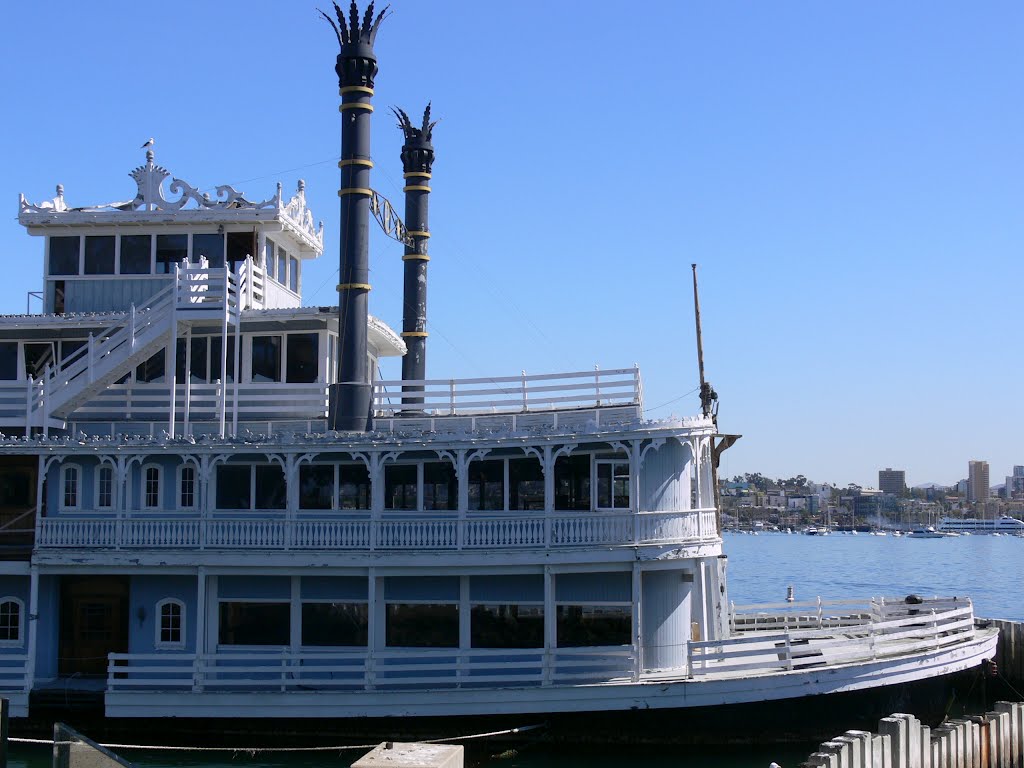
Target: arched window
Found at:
x=187, y=486
x=151, y=486
x=70, y=486
x=12, y=610
x=170, y=623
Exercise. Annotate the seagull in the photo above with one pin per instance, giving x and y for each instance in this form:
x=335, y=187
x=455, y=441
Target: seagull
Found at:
x=147, y=144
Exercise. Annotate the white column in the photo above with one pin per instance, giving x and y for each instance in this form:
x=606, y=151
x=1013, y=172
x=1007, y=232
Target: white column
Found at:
x=550, y=626
x=188, y=380
x=32, y=626
x=638, y=640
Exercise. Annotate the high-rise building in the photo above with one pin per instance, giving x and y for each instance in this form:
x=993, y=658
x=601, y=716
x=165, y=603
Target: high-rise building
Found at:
x=977, y=481
x=1015, y=483
x=892, y=481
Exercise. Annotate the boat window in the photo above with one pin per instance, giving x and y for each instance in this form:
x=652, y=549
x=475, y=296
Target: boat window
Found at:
x=353, y=486
x=487, y=485
x=422, y=625
x=170, y=631
x=8, y=360
x=316, y=486
x=197, y=362
x=171, y=250
x=303, y=353
x=268, y=255
x=211, y=246
x=254, y=623
x=266, y=358
x=282, y=265
x=335, y=624
x=270, y=486
x=151, y=487
x=37, y=357
x=525, y=484
x=152, y=371
x=64, y=252
x=507, y=626
x=572, y=482
x=17, y=487
x=187, y=486
x=593, y=625
x=293, y=274
x=440, y=486
x=70, y=474
x=68, y=348
x=104, y=486
x=234, y=490
x=216, y=371
x=136, y=254
x=11, y=610
x=99, y=254
x=613, y=484
x=400, y=486
x=241, y=245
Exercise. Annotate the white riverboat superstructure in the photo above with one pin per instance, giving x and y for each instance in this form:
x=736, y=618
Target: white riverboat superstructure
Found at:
x=1005, y=525
x=185, y=535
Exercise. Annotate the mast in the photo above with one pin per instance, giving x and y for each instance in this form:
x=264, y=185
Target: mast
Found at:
x=351, y=397
x=707, y=394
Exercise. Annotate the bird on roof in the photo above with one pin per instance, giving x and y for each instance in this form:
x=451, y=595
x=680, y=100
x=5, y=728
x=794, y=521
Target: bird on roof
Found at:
x=147, y=144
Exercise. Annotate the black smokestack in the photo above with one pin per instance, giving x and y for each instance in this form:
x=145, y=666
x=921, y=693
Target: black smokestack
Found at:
x=350, y=398
x=417, y=161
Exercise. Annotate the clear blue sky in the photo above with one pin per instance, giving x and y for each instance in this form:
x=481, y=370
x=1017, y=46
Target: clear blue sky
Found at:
x=849, y=176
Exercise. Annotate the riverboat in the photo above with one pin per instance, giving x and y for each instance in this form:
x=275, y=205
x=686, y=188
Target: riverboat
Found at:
x=969, y=525
x=213, y=507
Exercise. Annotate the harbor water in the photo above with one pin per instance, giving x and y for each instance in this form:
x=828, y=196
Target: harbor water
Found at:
x=761, y=568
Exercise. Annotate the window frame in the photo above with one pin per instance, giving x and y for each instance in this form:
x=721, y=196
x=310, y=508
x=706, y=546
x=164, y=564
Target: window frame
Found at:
x=144, y=486
x=20, y=640
x=252, y=488
x=158, y=622
x=102, y=467
x=65, y=470
x=595, y=484
x=179, y=486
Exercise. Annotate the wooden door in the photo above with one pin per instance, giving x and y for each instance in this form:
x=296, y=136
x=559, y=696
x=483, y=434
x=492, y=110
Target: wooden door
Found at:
x=93, y=623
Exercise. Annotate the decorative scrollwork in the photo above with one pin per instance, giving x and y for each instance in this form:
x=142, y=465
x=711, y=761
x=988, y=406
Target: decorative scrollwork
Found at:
x=150, y=196
x=385, y=215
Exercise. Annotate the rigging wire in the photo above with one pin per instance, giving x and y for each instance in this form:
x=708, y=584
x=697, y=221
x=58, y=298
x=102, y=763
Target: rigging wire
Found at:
x=673, y=400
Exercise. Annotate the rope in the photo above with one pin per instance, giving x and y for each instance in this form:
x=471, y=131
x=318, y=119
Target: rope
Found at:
x=257, y=750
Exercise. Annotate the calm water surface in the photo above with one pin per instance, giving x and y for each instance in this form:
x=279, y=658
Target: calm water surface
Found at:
x=761, y=567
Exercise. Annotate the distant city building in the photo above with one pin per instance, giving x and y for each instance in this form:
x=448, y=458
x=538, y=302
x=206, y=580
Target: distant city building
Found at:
x=892, y=481
x=1015, y=483
x=977, y=481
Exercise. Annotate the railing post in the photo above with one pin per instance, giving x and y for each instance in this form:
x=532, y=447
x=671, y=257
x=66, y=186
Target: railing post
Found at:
x=91, y=352
x=451, y=397
x=525, y=405
x=597, y=384
x=131, y=330
x=197, y=673
x=46, y=402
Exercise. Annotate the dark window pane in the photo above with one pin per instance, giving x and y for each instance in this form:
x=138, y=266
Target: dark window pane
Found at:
x=507, y=626
x=16, y=487
x=216, y=372
x=293, y=274
x=210, y=246
x=400, y=486
x=197, y=361
x=423, y=626
x=170, y=250
x=268, y=255
x=440, y=486
x=68, y=348
x=590, y=625
x=316, y=487
x=136, y=254
x=526, y=484
x=99, y=255
x=64, y=255
x=8, y=360
x=241, y=245
x=282, y=265
x=353, y=486
x=254, y=624
x=152, y=371
x=270, y=487
x=572, y=482
x=303, y=351
x=233, y=487
x=266, y=358
x=335, y=624
x=487, y=485
x=37, y=357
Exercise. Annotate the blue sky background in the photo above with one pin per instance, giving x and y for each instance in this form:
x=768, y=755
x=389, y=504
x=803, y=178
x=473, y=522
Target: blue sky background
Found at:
x=849, y=176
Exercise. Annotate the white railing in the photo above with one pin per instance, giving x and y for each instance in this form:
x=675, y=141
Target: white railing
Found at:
x=359, y=670
x=510, y=394
x=14, y=672
x=360, y=532
x=874, y=630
